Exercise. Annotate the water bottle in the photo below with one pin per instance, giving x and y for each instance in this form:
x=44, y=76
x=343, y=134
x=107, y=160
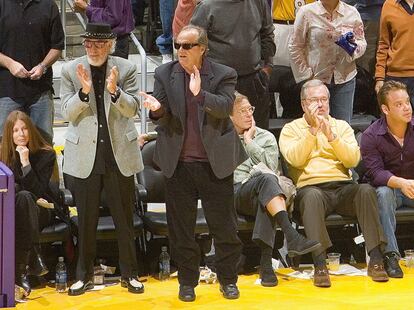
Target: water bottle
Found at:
x=61, y=276
x=164, y=264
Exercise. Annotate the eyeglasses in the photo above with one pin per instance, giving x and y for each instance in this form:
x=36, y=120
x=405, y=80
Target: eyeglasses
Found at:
x=316, y=99
x=97, y=44
x=247, y=111
x=186, y=46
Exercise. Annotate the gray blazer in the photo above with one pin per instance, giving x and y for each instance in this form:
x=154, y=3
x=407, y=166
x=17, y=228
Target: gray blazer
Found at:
x=222, y=144
x=81, y=135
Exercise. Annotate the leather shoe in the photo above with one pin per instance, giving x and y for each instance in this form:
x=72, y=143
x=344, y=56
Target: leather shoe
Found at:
x=21, y=277
x=186, y=293
x=321, y=277
x=392, y=267
x=133, y=285
x=377, y=272
x=80, y=287
x=268, y=277
x=37, y=266
x=300, y=246
x=230, y=291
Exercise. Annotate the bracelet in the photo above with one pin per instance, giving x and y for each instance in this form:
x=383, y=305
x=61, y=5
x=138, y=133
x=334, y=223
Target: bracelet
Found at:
x=44, y=67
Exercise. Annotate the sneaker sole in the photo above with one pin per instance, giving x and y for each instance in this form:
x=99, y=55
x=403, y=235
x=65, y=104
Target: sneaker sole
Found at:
x=293, y=253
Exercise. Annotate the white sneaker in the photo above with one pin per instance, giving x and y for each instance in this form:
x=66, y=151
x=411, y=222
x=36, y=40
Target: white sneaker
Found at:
x=166, y=58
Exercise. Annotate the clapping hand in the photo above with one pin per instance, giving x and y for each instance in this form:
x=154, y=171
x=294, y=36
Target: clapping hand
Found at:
x=112, y=80
x=84, y=78
x=311, y=111
x=24, y=155
x=150, y=102
x=195, y=81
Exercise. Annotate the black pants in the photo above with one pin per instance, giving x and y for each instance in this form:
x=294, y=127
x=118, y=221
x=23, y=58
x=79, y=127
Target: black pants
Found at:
x=122, y=46
x=251, y=199
x=119, y=194
x=315, y=202
x=192, y=181
x=256, y=87
x=30, y=219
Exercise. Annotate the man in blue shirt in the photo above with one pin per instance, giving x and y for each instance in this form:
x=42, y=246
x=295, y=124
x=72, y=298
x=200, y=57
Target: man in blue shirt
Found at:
x=387, y=149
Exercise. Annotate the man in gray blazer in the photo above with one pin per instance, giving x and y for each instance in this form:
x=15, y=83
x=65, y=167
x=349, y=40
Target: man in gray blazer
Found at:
x=197, y=150
x=101, y=151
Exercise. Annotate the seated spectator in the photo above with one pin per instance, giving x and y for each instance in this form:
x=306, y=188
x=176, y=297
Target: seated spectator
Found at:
x=387, y=148
x=320, y=150
x=32, y=160
x=258, y=192
x=328, y=37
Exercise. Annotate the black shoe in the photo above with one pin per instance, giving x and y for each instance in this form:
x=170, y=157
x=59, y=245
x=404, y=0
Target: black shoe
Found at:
x=230, y=291
x=37, y=267
x=80, y=287
x=21, y=278
x=268, y=277
x=133, y=285
x=392, y=267
x=186, y=293
x=300, y=246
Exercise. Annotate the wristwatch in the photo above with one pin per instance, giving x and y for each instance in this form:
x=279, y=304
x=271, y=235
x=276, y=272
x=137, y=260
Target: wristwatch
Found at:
x=116, y=95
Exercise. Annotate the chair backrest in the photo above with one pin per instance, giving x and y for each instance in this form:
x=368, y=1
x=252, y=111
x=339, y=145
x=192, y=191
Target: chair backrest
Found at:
x=151, y=177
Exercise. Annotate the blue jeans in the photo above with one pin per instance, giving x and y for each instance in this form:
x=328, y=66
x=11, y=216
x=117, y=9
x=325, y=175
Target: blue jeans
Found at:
x=41, y=112
x=389, y=200
x=341, y=100
x=408, y=81
x=164, y=41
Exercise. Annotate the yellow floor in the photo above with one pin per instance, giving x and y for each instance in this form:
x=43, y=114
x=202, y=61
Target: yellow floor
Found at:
x=346, y=293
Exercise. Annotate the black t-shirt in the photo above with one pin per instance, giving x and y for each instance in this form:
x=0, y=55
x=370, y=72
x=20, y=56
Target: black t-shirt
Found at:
x=28, y=30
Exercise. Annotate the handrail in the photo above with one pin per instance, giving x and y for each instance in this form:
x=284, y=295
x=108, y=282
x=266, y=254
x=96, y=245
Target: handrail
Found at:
x=134, y=39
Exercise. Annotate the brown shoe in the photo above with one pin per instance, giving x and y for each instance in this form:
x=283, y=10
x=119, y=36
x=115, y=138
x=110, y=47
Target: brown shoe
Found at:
x=321, y=277
x=377, y=272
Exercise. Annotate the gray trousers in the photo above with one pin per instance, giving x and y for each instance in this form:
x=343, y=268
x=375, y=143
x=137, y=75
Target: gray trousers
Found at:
x=316, y=202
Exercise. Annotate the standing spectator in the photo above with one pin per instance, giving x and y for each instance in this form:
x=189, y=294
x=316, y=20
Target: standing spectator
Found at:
x=117, y=13
x=101, y=149
x=328, y=37
x=387, y=148
x=31, y=40
x=370, y=11
x=395, y=59
x=183, y=13
x=241, y=36
x=165, y=40
x=197, y=150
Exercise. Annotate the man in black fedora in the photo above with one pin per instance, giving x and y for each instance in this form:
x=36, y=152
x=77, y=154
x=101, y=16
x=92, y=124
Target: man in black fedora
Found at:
x=99, y=101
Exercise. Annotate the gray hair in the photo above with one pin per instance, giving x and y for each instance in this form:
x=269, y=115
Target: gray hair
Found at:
x=310, y=84
x=112, y=50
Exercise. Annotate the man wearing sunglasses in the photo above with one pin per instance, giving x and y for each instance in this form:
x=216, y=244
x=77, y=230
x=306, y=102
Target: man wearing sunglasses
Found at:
x=99, y=101
x=197, y=150
x=241, y=36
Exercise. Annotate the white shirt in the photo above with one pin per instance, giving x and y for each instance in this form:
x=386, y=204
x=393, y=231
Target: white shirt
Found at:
x=313, y=51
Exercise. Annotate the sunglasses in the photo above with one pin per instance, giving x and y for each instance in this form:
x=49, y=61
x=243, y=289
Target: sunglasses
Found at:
x=97, y=44
x=186, y=46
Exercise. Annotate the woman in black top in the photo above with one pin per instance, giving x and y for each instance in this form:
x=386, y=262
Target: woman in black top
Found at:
x=32, y=160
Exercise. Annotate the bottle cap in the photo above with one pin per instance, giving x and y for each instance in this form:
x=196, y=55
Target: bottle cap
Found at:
x=60, y=259
x=164, y=248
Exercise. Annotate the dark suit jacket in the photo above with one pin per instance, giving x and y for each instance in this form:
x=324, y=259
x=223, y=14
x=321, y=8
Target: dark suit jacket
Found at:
x=222, y=144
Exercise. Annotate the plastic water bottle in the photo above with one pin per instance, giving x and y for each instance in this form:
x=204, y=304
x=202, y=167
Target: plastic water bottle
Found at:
x=61, y=276
x=164, y=264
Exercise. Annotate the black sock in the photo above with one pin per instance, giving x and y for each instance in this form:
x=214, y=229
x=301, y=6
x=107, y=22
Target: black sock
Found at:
x=282, y=220
x=319, y=260
x=375, y=255
x=266, y=257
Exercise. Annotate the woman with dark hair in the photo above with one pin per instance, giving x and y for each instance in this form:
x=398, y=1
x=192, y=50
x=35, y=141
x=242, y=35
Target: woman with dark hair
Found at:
x=32, y=160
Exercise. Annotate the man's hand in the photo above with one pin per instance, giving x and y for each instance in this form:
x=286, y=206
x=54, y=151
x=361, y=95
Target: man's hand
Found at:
x=408, y=188
x=195, y=81
x=311, y=112
x=18, y=70
x=24, y=155
x=248, y=135
x=36, y=72
x=84, y=78
x=326, y=128
x=80, y=6
x=378, y=86
x=150, y=102
x=112, y=80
